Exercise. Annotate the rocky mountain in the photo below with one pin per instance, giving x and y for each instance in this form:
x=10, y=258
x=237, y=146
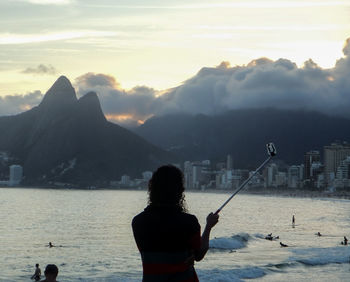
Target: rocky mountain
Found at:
x=243, y=134
x=67, y=139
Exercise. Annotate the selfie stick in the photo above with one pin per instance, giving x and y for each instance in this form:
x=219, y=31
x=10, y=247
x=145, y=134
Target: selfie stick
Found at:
x=271, y=150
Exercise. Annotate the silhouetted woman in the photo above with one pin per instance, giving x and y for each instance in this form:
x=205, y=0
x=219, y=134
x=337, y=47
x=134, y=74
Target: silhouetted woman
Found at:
x=167, y=237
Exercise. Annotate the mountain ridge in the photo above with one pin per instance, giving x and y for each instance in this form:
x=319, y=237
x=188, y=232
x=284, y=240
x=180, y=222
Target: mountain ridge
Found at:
x=66, y=139
x=243, y=133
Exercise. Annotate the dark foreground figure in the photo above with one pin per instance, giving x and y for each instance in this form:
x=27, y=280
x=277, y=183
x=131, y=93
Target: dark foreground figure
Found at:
x=51, y=272
x=167, y=237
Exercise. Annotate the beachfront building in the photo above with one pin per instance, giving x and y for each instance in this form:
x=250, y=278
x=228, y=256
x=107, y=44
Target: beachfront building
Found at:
x=342, y=178
x=310, y=158
x=295, y=176
x=16, y=174
x=334, y=154
x=272, y=171
x=229, y=162
x=147, y=175
x=125, y=180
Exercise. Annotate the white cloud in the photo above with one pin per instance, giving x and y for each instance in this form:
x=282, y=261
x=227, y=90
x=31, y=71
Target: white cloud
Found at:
x=49, y=2
x=9, y=39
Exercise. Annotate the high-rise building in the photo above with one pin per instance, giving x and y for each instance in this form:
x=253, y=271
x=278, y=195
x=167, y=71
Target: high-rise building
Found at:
x=342, y=178
x=147, y=175
x=310, y=158
x=16, y=173
x=188, y=174
x=196, y=176
x=281, y=179
x=125, y=180
x=272, y=171
x=229, y=162
x=295, y=176
x=333, y=155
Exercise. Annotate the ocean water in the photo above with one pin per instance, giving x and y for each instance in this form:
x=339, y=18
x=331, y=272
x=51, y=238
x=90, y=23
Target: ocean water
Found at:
x=93, y=236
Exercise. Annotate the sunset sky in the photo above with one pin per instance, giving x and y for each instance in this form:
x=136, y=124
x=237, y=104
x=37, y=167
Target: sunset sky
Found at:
x=159, y=43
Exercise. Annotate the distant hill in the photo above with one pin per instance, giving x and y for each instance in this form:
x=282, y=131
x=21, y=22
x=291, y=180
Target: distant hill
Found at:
x=243, y=133
x=69, y=140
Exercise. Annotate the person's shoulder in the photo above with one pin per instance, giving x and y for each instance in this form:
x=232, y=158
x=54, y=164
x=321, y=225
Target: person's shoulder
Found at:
x=191, y=222
x=190, y=217
x=138, y=217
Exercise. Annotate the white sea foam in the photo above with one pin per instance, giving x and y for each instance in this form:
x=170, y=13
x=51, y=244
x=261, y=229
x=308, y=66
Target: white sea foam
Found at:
x=259, y=235
x=220, y=275
x=321, y=256
x=234, y=242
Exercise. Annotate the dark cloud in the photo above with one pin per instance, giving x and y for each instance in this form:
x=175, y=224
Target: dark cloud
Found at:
x=91, y=80
x=140, y=102
x=261, y=83
x=41, y=69
x=14, y=104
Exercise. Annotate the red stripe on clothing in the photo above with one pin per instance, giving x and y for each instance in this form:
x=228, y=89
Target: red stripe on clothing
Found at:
x=164, y=268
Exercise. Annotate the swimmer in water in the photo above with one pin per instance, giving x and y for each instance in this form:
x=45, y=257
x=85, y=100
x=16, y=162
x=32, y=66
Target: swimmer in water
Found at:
x=283, y=245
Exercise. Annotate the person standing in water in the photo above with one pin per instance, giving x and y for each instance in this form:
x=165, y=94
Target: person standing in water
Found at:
x=168, y=237
x=37, y=274
x=51, y=272
x=293, y=220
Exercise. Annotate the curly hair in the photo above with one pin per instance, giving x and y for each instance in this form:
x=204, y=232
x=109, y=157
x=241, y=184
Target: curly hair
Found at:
x=166, y=187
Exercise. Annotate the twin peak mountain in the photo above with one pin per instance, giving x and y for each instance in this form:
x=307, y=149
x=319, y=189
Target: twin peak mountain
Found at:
x=65, y=139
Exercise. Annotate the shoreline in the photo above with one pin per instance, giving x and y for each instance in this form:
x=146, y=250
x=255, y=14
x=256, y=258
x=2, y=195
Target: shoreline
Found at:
x=280, y=192
x=288, y=192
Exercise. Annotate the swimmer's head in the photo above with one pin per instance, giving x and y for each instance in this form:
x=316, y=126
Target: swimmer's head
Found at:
x=51, y=271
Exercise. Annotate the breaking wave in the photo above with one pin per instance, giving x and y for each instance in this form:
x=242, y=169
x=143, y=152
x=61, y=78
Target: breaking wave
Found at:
x=234, y=242
x=321, y=256
x=238, y=274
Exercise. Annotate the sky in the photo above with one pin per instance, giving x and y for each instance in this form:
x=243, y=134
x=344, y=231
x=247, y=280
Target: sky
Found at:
x=154, y=57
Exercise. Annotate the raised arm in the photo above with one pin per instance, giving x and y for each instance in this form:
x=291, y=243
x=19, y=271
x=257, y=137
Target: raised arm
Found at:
x=212, y=220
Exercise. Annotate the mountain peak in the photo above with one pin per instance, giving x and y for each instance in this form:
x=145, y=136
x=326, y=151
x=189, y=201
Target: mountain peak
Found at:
x=61, y=92
x=90, y=106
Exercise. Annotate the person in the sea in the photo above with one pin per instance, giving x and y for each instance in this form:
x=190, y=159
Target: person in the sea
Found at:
x=283, y=245
x=37, y=274
x=51, y=272
x=168, y=237
x=50, y=245
x=345, y=240
x=319, y=234
x=293, y=220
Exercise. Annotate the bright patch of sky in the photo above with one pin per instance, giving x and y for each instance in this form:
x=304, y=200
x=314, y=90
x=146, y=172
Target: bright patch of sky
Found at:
x=160, y=43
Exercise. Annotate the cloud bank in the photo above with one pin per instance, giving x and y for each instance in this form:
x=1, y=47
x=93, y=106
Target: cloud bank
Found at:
x=261, y=83
x=14, y=104
x=41, y=69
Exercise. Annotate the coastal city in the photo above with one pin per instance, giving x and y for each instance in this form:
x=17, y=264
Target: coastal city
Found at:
x=331, y=174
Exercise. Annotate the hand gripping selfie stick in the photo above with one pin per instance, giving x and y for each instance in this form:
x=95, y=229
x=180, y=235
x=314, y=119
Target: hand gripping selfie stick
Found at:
x=271, y=150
